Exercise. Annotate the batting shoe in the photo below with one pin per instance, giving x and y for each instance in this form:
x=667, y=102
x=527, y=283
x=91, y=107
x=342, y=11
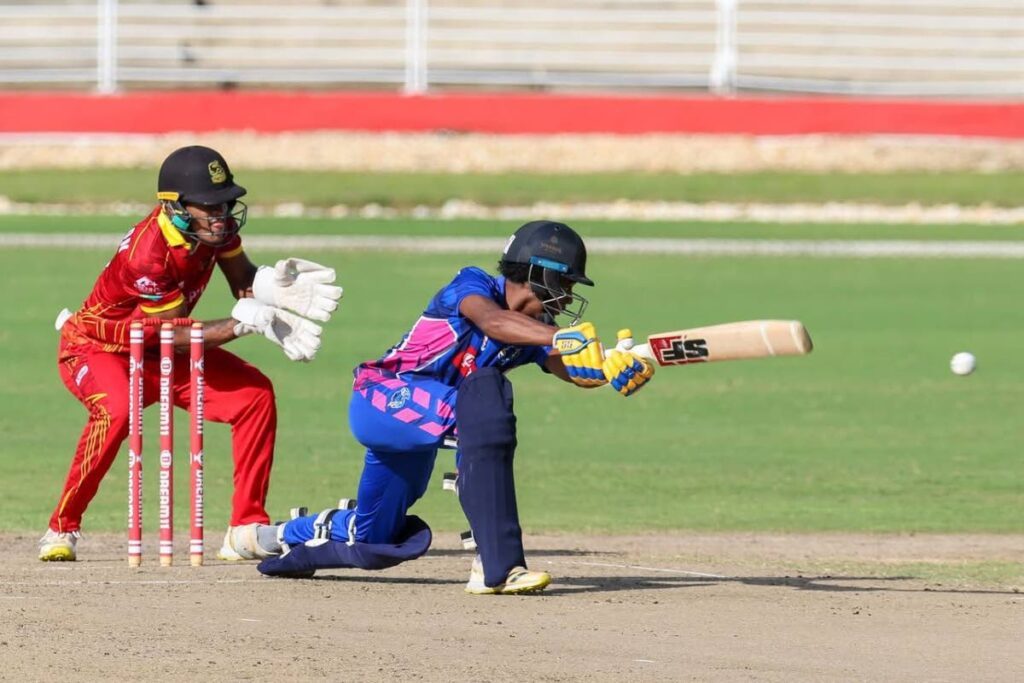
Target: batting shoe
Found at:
x=242, y=543
x=58, y=546
x=519, y=580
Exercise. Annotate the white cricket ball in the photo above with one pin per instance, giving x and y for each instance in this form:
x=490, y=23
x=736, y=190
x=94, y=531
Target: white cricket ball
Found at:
x=962, y=363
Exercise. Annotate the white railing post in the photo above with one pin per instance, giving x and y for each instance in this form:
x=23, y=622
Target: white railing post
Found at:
x=106, y=46
x=723, y=69
x=416, y=47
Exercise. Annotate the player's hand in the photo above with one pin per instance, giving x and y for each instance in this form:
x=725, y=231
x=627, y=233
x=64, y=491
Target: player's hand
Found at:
x=300, y=338
x=581, y=354
x=298, y=285
x=627, y=372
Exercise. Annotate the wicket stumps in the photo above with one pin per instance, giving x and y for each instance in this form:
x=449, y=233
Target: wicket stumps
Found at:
x=136, y=402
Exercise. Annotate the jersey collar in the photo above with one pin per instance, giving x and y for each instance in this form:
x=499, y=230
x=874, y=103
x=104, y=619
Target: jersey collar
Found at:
x=500, y=281
x=171, y=234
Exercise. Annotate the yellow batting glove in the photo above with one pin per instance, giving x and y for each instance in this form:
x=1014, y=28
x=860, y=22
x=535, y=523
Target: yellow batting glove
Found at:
x=581, y=353
x=627, y=372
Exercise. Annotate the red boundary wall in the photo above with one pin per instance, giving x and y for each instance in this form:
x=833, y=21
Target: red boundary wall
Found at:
x=161, y=112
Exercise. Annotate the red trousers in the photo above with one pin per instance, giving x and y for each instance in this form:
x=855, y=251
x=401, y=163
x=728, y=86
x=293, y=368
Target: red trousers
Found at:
x=236, y=393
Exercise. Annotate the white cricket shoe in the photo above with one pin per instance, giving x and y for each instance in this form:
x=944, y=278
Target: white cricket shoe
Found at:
x=240, y=543
x=57, y=546
x=519, y=580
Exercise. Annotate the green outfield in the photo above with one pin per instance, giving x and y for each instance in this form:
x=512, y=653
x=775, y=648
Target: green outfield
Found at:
x=409, y=189
x=499, y=230
x=870, y=433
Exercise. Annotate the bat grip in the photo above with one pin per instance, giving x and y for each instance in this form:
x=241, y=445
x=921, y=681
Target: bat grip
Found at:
x=642, y=350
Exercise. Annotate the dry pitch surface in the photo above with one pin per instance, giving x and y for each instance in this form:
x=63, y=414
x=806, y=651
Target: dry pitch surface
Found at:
x=639, y=608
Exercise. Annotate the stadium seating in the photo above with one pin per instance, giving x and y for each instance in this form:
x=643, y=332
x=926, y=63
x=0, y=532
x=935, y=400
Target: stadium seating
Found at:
x=914, y=47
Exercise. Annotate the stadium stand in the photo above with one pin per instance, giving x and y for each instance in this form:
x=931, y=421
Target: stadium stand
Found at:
x=863, y=47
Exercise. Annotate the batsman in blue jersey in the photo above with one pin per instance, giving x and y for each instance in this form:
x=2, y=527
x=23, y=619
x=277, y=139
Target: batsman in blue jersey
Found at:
x=444, y=379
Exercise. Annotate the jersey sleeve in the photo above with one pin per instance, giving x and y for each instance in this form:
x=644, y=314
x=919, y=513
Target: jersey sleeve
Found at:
x=467, y=282
x=540, y=355
x=231, y=249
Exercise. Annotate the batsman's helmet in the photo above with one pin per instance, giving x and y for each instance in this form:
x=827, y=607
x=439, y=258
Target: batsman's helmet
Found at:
x=556, y=259
x=198, y=175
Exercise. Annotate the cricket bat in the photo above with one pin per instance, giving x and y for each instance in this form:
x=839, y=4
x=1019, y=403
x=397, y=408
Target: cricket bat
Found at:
x=728, y=341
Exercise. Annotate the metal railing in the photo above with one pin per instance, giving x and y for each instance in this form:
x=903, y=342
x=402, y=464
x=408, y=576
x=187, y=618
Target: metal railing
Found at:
x=867, y=47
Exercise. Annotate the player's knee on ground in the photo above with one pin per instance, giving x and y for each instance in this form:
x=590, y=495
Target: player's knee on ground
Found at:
x=305, y=559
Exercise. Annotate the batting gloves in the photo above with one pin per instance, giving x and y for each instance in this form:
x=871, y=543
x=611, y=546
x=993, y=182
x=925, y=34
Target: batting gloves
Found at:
x=627, y=372
x=581, y=353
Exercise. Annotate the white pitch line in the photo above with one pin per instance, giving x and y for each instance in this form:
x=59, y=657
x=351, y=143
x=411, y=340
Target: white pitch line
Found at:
x=607, y=245
x=613, y=565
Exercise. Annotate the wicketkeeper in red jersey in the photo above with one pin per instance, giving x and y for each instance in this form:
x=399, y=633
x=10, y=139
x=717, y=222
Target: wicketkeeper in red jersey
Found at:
x=160, y=270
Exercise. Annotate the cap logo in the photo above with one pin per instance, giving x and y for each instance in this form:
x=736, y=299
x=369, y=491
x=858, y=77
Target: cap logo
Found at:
x=217, y=172
x=508, y=245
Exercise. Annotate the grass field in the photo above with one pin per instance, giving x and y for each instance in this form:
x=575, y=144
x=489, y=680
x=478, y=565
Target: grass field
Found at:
x=869, y=433
x=118, y=225
x=410, y=189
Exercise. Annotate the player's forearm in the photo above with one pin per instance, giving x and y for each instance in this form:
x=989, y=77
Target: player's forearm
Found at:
x=510, y=327
x=556, y=367
x=215, y=333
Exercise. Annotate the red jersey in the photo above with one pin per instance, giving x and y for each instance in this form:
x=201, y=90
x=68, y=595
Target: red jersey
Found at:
x=155, y=269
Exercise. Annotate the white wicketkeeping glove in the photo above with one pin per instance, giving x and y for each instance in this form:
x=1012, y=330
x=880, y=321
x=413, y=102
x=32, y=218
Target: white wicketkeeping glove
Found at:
x=300, y=286
x=300, y=338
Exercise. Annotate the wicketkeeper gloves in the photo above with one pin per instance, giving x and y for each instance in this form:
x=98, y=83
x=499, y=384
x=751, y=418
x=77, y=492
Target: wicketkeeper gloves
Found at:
x=301, y=286
x=284, y=296
x=300, y=338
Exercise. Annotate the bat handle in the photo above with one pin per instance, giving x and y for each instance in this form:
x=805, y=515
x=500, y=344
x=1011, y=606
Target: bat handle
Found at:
x=625, y=339
x=624, y=343
x=643, y=350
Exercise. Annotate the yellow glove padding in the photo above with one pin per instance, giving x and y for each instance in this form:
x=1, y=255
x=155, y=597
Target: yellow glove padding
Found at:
x=627, y=372
x=581, y=353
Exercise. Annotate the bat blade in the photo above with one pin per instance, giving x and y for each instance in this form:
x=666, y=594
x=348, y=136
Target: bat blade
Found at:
x=728, y=341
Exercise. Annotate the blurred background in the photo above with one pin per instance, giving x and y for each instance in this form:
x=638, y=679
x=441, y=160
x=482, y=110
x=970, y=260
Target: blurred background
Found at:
x=848, y=47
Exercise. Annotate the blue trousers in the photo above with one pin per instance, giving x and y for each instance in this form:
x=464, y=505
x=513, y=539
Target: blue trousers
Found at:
x=402, y=423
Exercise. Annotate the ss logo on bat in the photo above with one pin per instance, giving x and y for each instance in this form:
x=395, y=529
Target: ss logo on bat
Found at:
x=685, y=351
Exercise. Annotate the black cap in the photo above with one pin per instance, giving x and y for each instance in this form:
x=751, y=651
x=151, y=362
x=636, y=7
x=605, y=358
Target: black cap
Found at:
x=551, y=245
x=198, y=175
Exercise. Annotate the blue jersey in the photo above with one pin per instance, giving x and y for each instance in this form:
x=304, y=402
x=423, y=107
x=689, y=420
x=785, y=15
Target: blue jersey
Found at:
x=445, y=346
